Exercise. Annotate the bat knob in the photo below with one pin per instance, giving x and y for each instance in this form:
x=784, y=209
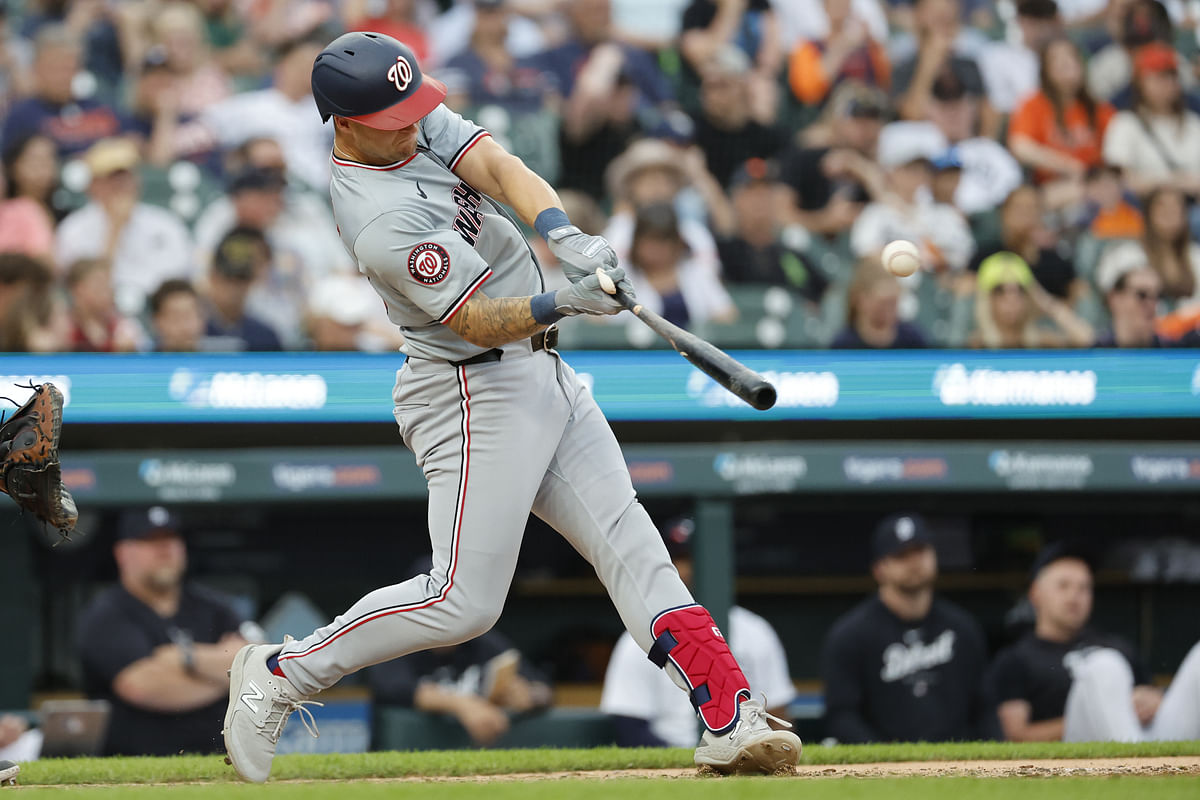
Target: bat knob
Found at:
x=606, y=283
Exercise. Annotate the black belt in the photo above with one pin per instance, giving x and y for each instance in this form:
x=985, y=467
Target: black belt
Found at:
x=545, y=340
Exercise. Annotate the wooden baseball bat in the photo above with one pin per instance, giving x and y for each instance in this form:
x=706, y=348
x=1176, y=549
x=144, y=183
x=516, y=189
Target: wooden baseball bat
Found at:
x=709, y=359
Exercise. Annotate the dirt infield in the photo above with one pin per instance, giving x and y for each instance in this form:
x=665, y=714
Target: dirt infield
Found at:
x=1050, y=768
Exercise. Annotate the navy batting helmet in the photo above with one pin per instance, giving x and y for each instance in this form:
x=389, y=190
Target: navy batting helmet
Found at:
x=373, y=79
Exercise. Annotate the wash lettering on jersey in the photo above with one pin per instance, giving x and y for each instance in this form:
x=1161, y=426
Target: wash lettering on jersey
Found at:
x=903, y=659
x=468, y=221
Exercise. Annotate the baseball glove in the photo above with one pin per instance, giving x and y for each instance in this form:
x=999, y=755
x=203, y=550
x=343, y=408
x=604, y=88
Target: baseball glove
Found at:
x=29, y=468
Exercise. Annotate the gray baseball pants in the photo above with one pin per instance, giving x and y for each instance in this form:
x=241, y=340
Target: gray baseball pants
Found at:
x=496, y=440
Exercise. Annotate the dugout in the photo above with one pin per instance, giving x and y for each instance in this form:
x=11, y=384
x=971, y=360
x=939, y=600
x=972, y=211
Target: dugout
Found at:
x=783, y=506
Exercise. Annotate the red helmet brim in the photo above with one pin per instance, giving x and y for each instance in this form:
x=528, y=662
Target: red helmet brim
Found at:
x=426, y=98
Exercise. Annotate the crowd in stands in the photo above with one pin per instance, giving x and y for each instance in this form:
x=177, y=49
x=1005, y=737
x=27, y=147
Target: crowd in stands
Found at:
x=164, y=168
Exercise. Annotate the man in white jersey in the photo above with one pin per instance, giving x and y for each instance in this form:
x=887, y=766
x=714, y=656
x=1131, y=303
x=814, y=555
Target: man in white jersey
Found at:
x=498, y=422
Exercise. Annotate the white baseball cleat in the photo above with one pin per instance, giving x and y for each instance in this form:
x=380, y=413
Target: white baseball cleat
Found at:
x=8, y=773
x=260, y=703
x=752, y=747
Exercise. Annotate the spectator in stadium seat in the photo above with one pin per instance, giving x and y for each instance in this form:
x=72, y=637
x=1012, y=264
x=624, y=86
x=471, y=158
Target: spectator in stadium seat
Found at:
x=637, y=695
x=832, y=181
x=145, y=244
x=807, y=20
x=197, y=78
x=940, y=50
x=31, y=172
x=1132, y=291
x=751, y=25
x=73, y=124
x=510, y=95
x=759, y=249
x=96, y=324
x=39, y=322
x=156, y=646
x=905, y=209
x=1067, y=681
x=652, y=171
x=872, y=312
x=847, y=52
x=487, y=72
x=1023, y=231
x=176, y=318
x=905, y=665
x=395, y=18
x=1158, y=142
x=227, y=29
x=242, y=259
x=667, y=280
x=285, y=112
x=20, y=274
x=1010, y=69
x=16, y=57
x=155, y=114
x=25, y=225
x=341, y=311
x=1107, y=213
x=1013, y=311
x=988, y=171
x=1059, y=131
x=725, y=131
x=1172, y=252
x=298, y=227
x=605, y=83
x=449, y=34
x=1132, y=24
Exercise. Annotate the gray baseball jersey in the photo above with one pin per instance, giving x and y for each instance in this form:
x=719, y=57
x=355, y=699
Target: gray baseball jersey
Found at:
x=428, y=240
x=496, y=440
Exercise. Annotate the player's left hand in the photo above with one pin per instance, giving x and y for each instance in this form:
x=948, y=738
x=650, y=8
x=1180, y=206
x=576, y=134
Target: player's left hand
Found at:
x=579, y=254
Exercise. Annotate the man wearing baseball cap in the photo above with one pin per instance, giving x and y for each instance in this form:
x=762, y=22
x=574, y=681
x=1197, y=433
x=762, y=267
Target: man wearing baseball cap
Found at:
x=1067, y=681
x=155, y=647
x=905, y=665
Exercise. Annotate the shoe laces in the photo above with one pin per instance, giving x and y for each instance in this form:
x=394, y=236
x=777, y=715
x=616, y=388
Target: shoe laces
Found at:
x=283, y=707
x=756, y=711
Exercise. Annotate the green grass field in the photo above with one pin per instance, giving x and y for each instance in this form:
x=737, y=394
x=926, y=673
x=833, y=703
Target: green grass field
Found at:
x=666, y=789
x=308, y=775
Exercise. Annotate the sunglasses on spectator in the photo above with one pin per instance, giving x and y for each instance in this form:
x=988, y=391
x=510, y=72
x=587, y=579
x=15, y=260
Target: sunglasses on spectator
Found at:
x=1008, y=288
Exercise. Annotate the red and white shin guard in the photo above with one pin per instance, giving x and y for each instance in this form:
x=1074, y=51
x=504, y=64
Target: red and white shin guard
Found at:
x=689, y=638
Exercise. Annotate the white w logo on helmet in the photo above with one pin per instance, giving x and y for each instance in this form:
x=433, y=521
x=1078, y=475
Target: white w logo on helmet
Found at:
x=401, y=73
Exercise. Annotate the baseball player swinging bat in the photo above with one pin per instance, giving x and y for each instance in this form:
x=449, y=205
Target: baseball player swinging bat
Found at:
x=711, y=360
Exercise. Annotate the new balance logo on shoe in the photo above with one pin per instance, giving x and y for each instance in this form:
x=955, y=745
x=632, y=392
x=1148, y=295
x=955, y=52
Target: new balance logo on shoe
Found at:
x=255, y=693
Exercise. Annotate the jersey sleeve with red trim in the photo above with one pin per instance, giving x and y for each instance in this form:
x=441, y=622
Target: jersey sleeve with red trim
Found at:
x=448, y=136
x=435, y=270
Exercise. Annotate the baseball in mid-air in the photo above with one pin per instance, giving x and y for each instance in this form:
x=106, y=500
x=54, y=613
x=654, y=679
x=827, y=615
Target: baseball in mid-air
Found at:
x=901, y=258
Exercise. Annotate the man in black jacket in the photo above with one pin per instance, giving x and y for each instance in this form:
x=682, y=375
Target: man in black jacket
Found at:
x=156, y=647
x=905, y=665
x=1067, y=681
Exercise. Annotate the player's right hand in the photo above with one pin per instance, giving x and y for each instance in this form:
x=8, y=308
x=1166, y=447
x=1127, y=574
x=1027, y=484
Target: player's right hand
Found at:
x=588, y=296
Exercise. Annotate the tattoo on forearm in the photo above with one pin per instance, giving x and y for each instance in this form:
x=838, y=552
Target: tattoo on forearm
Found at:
x=491, y=322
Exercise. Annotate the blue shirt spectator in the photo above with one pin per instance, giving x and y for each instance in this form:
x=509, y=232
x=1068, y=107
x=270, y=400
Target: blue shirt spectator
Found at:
x=73, y=124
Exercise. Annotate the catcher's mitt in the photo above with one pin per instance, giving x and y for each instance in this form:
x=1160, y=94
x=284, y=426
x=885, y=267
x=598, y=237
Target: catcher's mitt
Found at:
x=29, y=469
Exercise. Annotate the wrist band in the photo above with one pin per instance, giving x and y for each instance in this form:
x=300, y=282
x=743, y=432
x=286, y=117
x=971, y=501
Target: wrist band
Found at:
x=542, y=305
x=549, y=219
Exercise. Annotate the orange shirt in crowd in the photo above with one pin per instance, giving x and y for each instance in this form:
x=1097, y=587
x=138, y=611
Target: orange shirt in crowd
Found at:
x=868, y=64
x=1035, y=118
x=1122, y=221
